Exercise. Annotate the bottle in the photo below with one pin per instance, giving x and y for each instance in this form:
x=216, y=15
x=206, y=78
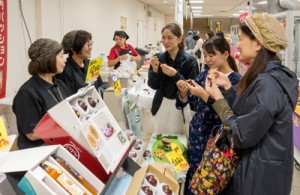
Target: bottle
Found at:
x=61, y=178
x=104, y=60
x=75, y=174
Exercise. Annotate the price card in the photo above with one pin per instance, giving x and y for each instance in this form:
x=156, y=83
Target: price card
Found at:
x=93, y=69
x=176, y=158
x=4, y=142
x=116, y=85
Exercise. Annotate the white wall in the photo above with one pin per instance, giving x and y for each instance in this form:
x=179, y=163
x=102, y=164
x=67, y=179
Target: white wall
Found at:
x=18, y=43
x=54, y=18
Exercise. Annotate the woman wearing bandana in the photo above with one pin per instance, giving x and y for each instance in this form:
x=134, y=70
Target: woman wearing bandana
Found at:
x=121, y=49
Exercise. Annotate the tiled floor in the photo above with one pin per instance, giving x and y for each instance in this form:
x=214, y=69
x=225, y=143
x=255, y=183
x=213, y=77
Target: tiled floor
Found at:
x=296, y=182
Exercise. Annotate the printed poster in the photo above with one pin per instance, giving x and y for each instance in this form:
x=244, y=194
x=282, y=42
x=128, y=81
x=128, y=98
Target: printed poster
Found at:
x=3, y=46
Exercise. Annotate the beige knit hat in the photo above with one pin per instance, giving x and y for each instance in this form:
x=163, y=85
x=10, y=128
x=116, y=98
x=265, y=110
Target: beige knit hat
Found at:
x=268, y=31
x=68, y=41
x=42, y=49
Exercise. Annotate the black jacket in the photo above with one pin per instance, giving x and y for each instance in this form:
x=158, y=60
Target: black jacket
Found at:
x=186, y=66
x=74, y=76
x=262, y=131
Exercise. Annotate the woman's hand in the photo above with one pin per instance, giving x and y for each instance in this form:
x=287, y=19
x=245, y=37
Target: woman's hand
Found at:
x=195, y=89
x=132, y=58
x=154, y=63
x=168, y=70
x=182, y=87
x=123, y=57
x=219, y=78
x=212, y=89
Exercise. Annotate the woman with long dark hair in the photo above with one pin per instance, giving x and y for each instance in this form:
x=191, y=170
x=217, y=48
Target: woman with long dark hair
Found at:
x=166, y=69
x=258, y=112
x=217, y=55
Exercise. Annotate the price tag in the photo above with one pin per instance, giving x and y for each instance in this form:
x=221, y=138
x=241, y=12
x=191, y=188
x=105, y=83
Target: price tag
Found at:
x=93, y=69
x=176, y=159
x=116, y=84
x=4, y=142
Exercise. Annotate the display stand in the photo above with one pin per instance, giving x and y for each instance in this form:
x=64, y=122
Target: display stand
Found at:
x=93, y=135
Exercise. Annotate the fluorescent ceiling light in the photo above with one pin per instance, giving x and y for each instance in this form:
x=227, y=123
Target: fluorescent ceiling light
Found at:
x=196, y=11
x=203, y=16
x=196, y=1
x=236, y=14
x=195, y=7
x=262, y=3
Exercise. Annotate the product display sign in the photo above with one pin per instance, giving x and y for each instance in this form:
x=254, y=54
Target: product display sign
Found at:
x=93, y=69
x=4, y=142
x=116, y=84
x=83, y=124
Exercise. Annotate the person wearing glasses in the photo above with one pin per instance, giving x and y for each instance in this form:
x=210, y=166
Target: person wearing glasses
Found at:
x=121, y=49
x=78, y=44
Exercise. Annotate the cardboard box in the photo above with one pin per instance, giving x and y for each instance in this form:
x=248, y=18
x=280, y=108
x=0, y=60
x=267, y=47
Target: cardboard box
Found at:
x=61, y=125
x=36, y=180
x=161, y=171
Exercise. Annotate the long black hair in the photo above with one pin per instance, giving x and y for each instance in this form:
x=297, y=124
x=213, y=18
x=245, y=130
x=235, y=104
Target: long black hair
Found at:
x=219, y=43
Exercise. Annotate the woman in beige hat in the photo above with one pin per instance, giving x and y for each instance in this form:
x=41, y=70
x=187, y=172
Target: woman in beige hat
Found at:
x=259, y=111
x=41, y=92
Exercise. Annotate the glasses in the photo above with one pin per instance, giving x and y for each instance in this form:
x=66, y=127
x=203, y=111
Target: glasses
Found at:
x=90, y=44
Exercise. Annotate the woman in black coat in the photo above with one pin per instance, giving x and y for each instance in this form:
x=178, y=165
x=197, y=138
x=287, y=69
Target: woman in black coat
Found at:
x=259, y=115
x=166, y=69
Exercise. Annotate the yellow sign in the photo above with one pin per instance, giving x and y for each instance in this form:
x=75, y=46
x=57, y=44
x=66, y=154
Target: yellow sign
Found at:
x=116, y=85
x=93, y=69
x=176, y=159
x=4, y=142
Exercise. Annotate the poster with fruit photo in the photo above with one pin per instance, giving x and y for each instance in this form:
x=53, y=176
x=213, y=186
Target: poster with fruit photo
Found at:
x=3, y=46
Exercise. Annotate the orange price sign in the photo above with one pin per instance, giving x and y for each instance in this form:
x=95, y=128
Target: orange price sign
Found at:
x=4, y=142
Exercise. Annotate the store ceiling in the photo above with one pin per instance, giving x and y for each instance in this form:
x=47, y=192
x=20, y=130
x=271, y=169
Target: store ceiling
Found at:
x=210, y=8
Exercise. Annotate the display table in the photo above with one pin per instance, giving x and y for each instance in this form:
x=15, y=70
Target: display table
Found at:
x=168, y=119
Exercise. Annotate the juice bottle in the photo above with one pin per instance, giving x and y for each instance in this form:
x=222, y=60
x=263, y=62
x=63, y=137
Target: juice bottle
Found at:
x=75, y=174
x=61, y=178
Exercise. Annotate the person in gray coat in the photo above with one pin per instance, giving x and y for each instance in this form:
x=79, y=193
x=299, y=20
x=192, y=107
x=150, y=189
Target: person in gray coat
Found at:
x=258, y=113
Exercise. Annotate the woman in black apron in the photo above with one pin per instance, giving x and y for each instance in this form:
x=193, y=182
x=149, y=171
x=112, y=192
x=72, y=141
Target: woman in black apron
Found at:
x=121, y=49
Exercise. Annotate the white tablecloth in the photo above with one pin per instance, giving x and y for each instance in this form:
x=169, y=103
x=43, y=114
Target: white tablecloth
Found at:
x=167, y=120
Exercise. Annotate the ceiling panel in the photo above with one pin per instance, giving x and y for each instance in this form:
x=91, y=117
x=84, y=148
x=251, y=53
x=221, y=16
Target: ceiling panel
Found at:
x=216, y=8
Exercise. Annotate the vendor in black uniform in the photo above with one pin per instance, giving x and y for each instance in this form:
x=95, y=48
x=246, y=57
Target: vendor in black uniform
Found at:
x=78, y=44
x=41, y=92
x=119, y=51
